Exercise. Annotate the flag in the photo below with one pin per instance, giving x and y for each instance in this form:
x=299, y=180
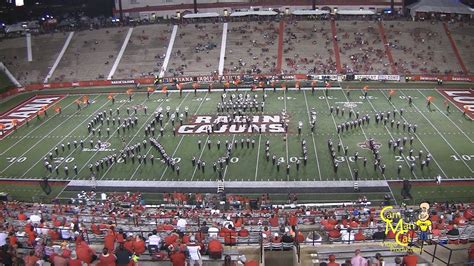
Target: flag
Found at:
x=391, y=92
x=150, y=89
x=129, y=91
x=429, y=98
x=57, y=109
x=195, y=85
x=366, y=88
x=179, y=86
x=164, y=89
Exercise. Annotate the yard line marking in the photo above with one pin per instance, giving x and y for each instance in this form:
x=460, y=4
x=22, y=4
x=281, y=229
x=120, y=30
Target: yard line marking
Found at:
x=168, y=52
x=36, y=128
x=418, y=137
x=227, y=166
x=164, y=127
x=138, y=131
x=120, y=54
x=312, y=136
x=233, y=139
x=41, y=158
x=339, y=136
x=182, y=137
x=286, y=133
x=439, y=133
x=460, y=130
x=60, y=56
x=203, y=148
x=258, y=156
x=391, y=136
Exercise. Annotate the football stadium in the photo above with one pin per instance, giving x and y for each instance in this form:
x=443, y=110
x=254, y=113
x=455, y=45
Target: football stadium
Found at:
x=237, y=132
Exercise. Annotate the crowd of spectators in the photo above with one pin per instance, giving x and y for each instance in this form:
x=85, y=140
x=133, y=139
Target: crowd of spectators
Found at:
x=113, y=231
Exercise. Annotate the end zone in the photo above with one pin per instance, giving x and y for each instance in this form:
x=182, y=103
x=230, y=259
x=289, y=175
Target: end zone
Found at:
x=461, y=98
x=24, y=112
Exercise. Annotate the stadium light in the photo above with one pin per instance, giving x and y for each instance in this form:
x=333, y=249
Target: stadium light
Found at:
x=19, y=2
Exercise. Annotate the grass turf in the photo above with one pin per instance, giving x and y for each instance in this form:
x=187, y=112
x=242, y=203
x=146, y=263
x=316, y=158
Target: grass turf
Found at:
x=21, y=153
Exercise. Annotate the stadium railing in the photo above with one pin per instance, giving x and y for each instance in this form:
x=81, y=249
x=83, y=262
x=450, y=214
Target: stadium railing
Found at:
x=439, y=246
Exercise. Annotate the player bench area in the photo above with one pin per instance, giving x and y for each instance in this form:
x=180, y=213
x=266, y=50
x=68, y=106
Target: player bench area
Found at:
x=297, y=151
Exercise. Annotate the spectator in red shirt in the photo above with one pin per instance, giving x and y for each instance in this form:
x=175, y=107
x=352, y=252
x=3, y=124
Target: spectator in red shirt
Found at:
x=22, y=216
x=410, y=259
x=139, y=245
x=31, y=259
x=109, y=241
x=332, y=261
x=243, y=232
x=106, y=258
x=230, y=237
x=273, y=220
x=129, y=243
x=177, y=258
x=84, y=252
x=359, y=236
x=215, y=249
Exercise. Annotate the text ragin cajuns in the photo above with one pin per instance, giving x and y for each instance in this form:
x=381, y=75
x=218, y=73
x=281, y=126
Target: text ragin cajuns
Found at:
x=244, y=124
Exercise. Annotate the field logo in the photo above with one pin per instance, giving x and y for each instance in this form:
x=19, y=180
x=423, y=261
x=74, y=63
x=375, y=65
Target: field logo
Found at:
x=404, y=224
x=102, y=146
x=222, y=124
x=366, y=145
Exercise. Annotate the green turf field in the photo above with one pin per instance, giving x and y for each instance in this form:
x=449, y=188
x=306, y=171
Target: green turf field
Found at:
x=448, y=137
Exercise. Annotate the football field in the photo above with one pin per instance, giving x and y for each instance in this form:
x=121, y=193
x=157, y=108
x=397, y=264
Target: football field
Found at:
x=446, y=136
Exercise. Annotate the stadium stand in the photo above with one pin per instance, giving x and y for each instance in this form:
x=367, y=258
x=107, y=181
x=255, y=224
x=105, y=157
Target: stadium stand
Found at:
x=90, y=55
x=61, y=229
x=463, y=34
x=260, y=54
x=418, y=47
x=193, y=58
x=308, y=48
x=45, y=49
x=148, y=46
